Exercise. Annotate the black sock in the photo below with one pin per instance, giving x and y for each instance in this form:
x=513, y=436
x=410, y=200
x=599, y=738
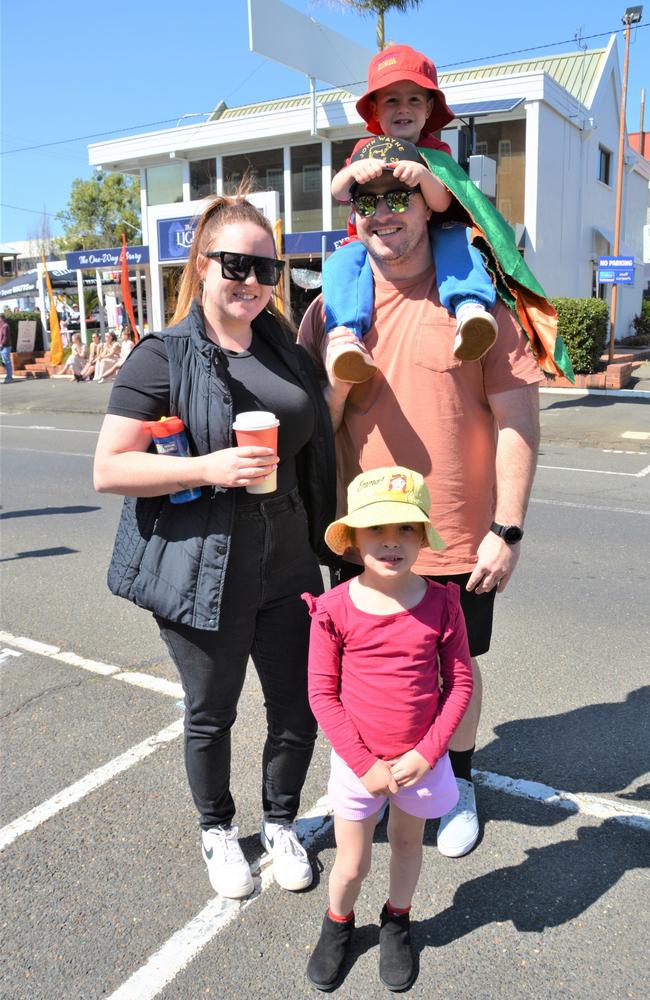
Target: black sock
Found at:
x=461, y=763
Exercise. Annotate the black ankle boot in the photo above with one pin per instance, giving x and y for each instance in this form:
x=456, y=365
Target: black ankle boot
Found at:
x=396, y=963
x=327, y=958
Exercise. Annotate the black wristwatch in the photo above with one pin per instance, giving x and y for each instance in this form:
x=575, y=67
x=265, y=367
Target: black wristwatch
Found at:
x=511, y=533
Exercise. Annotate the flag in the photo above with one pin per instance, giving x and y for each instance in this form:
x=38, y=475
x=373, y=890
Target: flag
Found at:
x=278, y=291
x=126, y=289
x=56, y=345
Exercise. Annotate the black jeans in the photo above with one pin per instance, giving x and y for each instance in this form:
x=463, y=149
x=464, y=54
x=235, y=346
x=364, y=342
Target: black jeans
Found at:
x=262, y=615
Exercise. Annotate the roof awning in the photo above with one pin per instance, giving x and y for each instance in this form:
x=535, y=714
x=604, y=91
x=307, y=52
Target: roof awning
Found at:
x=474, y=109
x=624, y=250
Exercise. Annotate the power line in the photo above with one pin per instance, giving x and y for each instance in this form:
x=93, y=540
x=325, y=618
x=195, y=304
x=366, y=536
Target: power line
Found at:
x=463, y=62
x=538, y=48
x=34, y=211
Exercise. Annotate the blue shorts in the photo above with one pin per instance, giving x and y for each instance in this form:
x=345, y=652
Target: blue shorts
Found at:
x=433, y=796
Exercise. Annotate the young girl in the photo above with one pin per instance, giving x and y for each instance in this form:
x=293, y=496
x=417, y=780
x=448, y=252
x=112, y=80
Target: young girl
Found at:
x=380, y=646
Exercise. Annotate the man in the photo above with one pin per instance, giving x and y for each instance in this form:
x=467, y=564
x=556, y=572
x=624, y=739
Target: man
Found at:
x=471, y=428
x=5, y=348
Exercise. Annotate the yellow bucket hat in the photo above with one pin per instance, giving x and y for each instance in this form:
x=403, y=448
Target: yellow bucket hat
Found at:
x=392, y=495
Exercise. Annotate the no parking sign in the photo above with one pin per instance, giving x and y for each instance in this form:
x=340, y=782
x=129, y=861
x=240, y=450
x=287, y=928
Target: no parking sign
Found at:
x=616, y=270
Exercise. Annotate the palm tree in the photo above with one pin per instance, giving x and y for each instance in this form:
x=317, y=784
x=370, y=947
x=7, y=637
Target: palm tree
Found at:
x=379, y=7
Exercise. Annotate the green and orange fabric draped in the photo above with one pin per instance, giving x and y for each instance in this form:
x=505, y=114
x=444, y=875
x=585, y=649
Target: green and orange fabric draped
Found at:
x=515, y=283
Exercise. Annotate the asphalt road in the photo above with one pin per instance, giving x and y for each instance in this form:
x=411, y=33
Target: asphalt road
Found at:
x=104, y=891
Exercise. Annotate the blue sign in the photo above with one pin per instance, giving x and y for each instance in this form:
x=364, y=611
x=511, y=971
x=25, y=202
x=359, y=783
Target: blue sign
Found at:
x=175, y=238
x=81, y=259
x=616, y=270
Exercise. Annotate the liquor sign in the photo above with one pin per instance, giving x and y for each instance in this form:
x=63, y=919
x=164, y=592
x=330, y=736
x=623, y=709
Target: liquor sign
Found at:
x=616, y=270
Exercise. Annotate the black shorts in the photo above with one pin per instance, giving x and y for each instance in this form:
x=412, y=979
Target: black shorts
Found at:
x=478, y=609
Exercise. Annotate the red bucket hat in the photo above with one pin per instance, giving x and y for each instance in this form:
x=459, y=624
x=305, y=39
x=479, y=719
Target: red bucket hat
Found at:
x=401, y=62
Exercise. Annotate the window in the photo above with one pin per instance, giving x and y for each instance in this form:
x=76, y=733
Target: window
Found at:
x=275, y=179
x=165, y=184
x=505, y=156
x=311, y=178
x=604, y=165
x=481, y=149
x=203, y=178
x=306, y=187
x=505, y=207
x=263, y=171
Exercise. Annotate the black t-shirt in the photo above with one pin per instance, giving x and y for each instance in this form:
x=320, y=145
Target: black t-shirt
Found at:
x=257, y=378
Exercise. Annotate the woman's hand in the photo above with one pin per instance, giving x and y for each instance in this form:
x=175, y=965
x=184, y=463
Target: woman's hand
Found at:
x=239, y=466
x=408, y=769
x=379, y=779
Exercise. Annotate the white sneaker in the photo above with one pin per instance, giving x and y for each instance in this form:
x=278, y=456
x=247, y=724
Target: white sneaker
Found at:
x=291, y=865
x=228, y=869
x=476, y=331
x=458, y=830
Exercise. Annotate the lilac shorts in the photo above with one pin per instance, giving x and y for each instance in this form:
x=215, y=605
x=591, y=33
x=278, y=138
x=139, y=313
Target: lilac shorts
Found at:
x=434, y=795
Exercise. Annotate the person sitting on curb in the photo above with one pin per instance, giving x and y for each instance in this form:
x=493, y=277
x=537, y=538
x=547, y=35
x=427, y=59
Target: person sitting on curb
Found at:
x=93, y=354
x=109, y=371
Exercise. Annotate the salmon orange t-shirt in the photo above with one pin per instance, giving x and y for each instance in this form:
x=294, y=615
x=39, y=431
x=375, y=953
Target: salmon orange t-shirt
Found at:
x=428, y=411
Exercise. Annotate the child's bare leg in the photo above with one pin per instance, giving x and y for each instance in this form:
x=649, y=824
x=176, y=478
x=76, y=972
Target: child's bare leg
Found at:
x=352, y=864
x=405, y=834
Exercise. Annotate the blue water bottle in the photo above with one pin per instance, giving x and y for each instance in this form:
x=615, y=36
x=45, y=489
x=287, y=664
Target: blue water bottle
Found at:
x=170, y=438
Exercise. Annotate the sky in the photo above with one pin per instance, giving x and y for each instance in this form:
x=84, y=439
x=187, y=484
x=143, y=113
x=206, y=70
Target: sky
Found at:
x=90, y=69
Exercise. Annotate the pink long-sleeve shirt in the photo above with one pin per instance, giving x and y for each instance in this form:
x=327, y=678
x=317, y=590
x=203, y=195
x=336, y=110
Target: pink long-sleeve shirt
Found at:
x=375, y=680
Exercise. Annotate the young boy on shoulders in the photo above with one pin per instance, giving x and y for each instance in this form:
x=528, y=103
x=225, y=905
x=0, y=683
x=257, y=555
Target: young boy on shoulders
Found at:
x=404, y=102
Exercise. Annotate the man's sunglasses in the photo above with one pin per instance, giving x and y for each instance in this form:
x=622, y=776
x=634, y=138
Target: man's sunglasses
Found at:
x=396, y=201
x=237, y=266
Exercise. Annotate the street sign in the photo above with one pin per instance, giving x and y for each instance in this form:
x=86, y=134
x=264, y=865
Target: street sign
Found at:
x=616, y=270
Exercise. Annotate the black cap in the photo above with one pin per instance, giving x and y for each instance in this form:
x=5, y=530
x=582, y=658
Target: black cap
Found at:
x=386, y=147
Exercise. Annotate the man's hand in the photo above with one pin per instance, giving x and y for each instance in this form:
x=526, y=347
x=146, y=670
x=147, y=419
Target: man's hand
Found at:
x=496, y=561
x=379, y=779
x=408, y=769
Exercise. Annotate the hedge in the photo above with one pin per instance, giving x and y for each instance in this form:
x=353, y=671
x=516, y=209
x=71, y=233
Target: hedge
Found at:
x=13, y=318
x=583, y=324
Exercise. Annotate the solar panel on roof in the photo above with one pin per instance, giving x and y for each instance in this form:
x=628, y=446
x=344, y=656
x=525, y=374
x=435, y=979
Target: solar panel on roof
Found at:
x=474, y=108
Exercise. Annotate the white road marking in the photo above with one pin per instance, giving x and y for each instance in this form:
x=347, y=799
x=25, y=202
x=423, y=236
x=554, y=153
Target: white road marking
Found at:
x=636, y=435
x=589, y=506
x=158, y=684
x=95, y=779
x=584, y=804
x=49, y=451
x=46, y=427
x=599, y=472
x=6, y=654
x=179, y=950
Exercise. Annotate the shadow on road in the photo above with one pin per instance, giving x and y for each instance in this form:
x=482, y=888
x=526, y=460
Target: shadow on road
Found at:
x=554, y=885
x=39, y=511
x=598, y=748
x=59, y=550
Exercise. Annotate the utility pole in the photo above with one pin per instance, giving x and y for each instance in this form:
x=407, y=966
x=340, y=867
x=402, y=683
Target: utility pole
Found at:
x=631, y=16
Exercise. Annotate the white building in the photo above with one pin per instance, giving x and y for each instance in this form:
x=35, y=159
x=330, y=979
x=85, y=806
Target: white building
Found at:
x=551, y=124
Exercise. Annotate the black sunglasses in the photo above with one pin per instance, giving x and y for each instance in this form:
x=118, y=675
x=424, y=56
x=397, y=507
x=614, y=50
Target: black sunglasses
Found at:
x=237, y=266
x=365, y=203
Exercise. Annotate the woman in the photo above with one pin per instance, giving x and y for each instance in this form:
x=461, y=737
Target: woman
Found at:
x=76, y=359
x=109, y=353
x=93, y=355
x=223, y=573
x=110, y=368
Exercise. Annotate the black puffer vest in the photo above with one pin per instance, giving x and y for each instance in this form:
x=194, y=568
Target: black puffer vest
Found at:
x=172, y=558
